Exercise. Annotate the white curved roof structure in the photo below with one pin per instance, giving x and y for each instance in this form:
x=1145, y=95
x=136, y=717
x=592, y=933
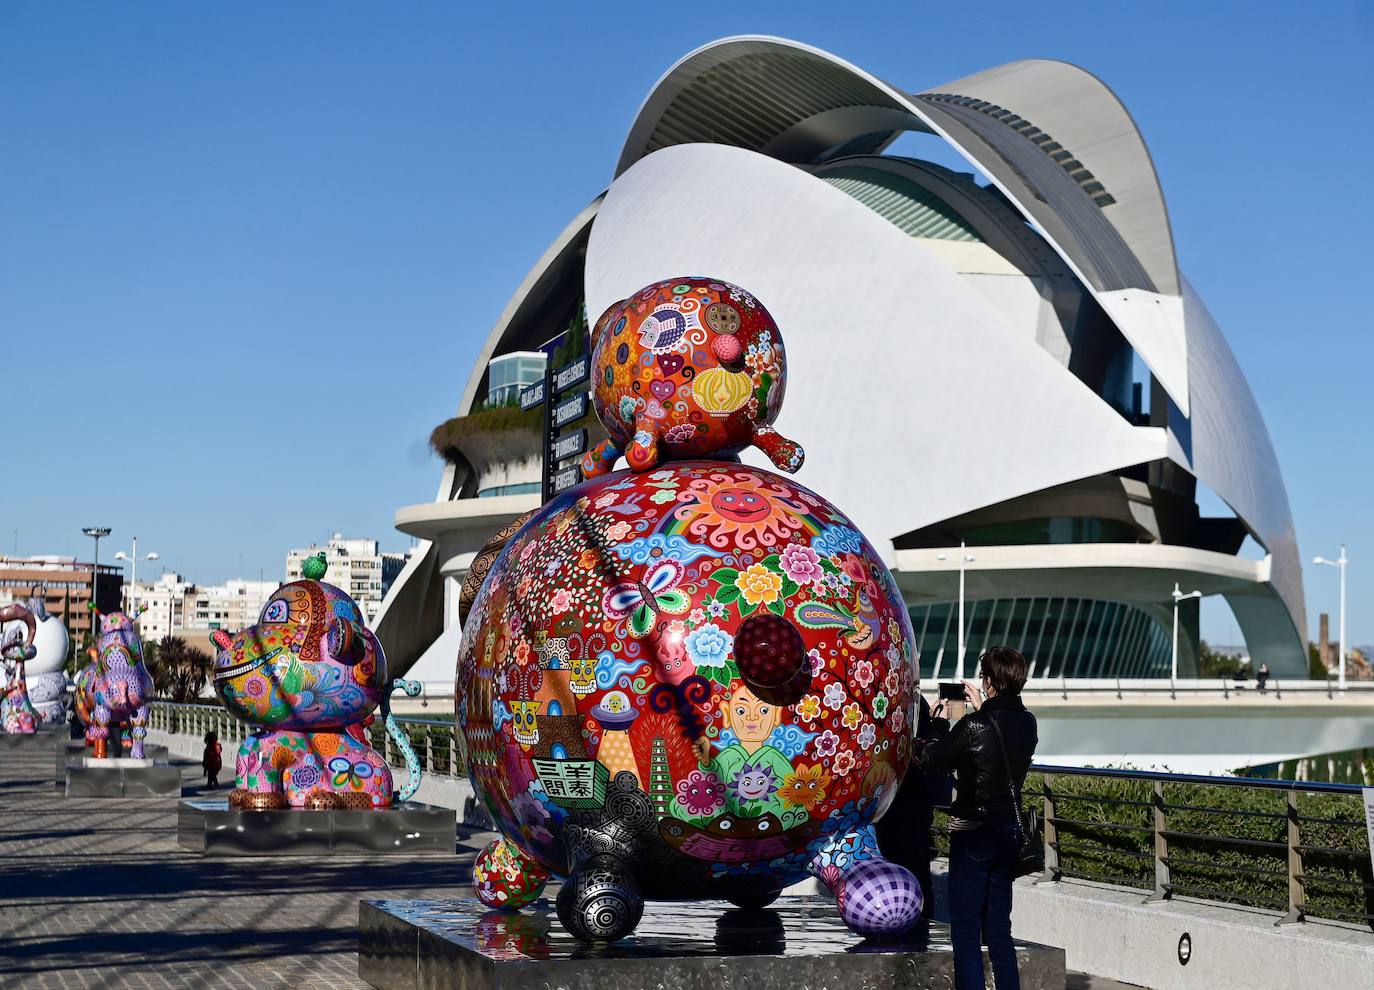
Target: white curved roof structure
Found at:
x=962, y=353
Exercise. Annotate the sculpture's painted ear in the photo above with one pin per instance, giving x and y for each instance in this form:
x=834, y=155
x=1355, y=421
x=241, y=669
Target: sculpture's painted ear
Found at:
x=143, y=607
x=346, y=642
x=222, y=639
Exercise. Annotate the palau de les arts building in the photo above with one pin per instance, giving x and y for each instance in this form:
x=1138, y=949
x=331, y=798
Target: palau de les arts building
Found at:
x=1011, y=359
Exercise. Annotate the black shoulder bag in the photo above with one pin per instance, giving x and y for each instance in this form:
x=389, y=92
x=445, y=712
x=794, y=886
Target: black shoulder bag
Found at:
x=1030, y=857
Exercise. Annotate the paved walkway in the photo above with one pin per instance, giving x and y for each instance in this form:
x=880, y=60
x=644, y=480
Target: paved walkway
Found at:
x=97, y=893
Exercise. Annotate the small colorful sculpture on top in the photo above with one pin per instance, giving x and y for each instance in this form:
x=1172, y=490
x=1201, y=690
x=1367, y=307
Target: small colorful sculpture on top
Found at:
x=687, y=367
x=307, y=676
x=121, y=687
x=17, y=714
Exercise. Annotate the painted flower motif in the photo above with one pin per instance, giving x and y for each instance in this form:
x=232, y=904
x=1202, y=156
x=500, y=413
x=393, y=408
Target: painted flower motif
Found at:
x=834, y=695
x=256, y=687
x=827, y=743
x=305, y=776
x=618, y=530
x=677, y=628
x=894, y=631
x=523, y=653
x=696, y=617
x=892, y=683
x=817, y=661
x=805, y=787
x=561, y=601
x=587, y=560
x=863, y=673
x=801, y=564
x=867, y=735
x=627, y=409
x=759, y=585
x=843, y=763
x=680, y=433
x=607, y=498
x=663, y=495
x=701, y=793
x=709, y=645
x=526, y=552
x=553, y=567
x=753, y=783
x=898, y=720
x=663, y=475
x=809, y=708
x=715, y=609
x=880, y=704
x=852, y=716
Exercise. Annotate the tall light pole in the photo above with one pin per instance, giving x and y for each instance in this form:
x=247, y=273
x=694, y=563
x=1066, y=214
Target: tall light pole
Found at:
x=1339, y=562
x=1179, y=596
x=964, y=558
x=132, y=557
x=96, y=532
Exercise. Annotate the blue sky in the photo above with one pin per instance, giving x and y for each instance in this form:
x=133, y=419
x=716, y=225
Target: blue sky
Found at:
x=248, y=251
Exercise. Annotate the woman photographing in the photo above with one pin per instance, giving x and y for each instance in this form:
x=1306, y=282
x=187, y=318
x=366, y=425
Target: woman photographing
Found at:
x=989, y=750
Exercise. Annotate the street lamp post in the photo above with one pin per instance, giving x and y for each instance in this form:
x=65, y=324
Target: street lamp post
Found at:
x=96, y=532
x=1339, y=562
x=964, y=558
x=132, y=557
x=1179, y=596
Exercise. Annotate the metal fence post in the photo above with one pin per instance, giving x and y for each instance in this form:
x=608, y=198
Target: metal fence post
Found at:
x=1162, y=891
x=429, y=751
x=1296, y=895
x=1051, y=832
x=386, y=747
x=452, y=754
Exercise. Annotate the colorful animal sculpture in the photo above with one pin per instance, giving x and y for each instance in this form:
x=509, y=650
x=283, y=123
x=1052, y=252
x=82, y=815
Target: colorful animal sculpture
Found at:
x=307, y=676
x=83, y=703
x=687, y=368
x=47, y=684
x=693, y=682
x=17, y=714
x=121, y=686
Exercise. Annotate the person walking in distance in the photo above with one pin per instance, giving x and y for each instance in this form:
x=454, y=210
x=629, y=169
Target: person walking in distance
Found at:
x=990, y=750
x=211, y=760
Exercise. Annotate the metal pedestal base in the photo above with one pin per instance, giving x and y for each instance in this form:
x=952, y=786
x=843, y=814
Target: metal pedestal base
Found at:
x=73, y=752
x=122, y=781
x=41, y=741
x=210, y=827
x=798, y=942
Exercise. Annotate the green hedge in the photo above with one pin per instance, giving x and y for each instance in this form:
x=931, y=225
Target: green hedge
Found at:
x=1106, y=833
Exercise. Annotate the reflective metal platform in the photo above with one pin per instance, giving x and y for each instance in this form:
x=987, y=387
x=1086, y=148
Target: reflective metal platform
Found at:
x=43, y=740
x=210, y=827
x=798, y=942
x=73, y=752
x=121, y=779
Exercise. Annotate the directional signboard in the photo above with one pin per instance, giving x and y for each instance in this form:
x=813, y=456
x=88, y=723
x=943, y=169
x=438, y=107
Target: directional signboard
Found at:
x=570, y=410
x=532, y=395
x=564, y=479
x=568, y=445
x=572, y=374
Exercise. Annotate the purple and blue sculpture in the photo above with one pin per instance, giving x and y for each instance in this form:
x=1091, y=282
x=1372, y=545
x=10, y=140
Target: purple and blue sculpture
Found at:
x=121, y=686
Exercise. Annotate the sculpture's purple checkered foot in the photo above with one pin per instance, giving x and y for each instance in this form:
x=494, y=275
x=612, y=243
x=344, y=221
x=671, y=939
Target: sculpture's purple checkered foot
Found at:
x=878, y=898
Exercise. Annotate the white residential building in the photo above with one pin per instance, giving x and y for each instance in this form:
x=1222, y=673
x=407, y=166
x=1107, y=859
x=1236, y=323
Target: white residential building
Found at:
x=175, y=605
x=358, y=566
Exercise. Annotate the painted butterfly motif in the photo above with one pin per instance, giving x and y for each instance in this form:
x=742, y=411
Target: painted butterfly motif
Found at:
x=640, y=601
x=347, y=773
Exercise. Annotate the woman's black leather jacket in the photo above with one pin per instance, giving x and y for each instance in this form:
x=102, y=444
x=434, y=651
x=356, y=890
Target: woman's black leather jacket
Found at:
x=971, y=749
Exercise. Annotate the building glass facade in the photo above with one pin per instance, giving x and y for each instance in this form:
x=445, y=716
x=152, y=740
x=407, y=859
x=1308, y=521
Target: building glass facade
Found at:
x=1059, y=637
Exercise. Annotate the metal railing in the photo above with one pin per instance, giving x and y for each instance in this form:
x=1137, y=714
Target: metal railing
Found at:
x=1295, y=847
x=433, y=739
x=1224, y=687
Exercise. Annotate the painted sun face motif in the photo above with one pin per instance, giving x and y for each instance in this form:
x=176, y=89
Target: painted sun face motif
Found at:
x=740, y=504
x=740, y=509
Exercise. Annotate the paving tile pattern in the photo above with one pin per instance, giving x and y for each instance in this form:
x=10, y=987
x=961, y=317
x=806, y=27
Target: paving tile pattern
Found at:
x=97, y=893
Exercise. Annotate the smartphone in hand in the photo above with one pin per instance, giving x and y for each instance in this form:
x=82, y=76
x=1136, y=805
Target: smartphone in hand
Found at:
x=952, y=694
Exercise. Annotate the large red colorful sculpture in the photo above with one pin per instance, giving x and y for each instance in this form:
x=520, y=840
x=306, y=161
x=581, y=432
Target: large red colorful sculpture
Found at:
x=692, y=681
